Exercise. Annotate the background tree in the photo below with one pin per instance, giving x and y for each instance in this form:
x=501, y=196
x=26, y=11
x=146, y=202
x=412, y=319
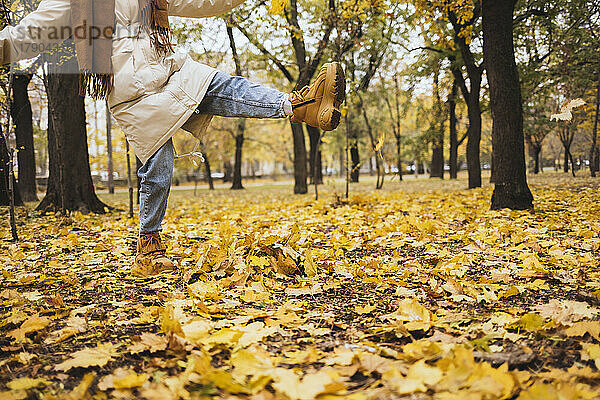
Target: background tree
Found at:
x=241, y=123
x=452, y=28
x=70, y=186
x=23, y=123
x=510, y=180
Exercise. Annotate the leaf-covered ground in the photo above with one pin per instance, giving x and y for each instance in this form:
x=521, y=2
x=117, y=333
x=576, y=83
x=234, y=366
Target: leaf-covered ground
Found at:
x=405, y=293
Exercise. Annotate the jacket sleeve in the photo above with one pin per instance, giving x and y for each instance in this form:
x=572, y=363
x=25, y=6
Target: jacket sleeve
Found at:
x=42, y=30
x=201, y=8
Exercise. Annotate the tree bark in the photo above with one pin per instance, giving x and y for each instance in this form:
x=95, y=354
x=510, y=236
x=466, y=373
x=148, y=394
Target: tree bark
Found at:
x=437, y=153
x=510, y=177
x=399, y=156
x=5, y=175
x=241, y=125
x=355, y=160
x=300, y=167
x=209, y=179
x=537, y=150
x=237, y=163
x=594, y=147
x=22, y=118
x=70, y=186
x=314, y=155
x=473, y=142
x=453, y=132
x=472, y=98
x=227, y=171
x=109, y=150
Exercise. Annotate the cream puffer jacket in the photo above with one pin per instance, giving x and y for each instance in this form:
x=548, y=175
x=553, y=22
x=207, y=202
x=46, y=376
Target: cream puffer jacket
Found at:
x=153, y=96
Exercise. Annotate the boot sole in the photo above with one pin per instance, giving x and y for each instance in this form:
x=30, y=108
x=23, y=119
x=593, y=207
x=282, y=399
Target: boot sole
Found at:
x=334, y=96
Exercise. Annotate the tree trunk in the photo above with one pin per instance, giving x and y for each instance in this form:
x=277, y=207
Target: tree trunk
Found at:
x=109, y=151
x=594, y=147
x=300, y=172
x=510, y=177
x=227, y=171
x=209, y=179
x=472, y=98
x=70, y=186
x=4, y=177
x=22, y=117
x=437, y=153
x=314, y=155
x=342, y=162
x=572, y=163
x=399, y=156
x=241, y=126
x=437, y=161
x=473, y=141
x=237, y=163
x=537, y=150
x=453, y=132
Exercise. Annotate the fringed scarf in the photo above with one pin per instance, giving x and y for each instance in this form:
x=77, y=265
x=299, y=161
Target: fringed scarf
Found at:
x=93, y=27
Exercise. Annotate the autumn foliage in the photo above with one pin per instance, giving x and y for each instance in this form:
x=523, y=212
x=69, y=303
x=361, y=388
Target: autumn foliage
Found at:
x=424, y=293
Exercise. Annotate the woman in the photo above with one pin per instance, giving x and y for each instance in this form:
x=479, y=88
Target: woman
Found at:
x=124, y=54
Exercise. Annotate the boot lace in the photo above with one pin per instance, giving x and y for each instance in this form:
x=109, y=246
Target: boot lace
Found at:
x=151, y=244
x=297, y=96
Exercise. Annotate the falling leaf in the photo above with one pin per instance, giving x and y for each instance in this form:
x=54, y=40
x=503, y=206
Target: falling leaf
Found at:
x=277, y=6
x=565, y=113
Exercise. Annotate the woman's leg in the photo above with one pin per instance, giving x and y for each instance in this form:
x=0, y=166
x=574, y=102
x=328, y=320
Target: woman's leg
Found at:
x=155, y=185
x=234, y=96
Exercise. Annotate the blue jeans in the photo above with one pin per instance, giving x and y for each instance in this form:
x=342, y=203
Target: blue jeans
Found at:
x=227, y=96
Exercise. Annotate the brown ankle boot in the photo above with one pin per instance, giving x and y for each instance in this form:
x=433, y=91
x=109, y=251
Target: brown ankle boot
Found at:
x=151, y=258
x=318, y=104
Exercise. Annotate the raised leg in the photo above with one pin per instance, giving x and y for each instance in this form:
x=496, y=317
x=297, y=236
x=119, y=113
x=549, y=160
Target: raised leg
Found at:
x=234, y=96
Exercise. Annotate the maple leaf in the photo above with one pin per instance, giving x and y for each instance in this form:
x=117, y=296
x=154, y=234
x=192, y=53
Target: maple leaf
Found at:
x=31, y=324
x=89, y=357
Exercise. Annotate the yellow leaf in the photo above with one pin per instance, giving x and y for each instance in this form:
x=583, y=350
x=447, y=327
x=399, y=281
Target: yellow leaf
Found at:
x=197, y=330
x=531, y=322
x=591, y=352
x=414, y=315
x=367, y=309
x=130, y=381
x=509, y=292
x=255, y=261
x=26, y=383
x=93, y=356
x=169, y=324
x=310, y=268
x=250, y=362
x=583, y=327
x=80, y=392
x=254, y=333
x=288, y=382
x=149, y=342
x=380, y=142
x=250, y=296
x=32, y=324
x=277, y=6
